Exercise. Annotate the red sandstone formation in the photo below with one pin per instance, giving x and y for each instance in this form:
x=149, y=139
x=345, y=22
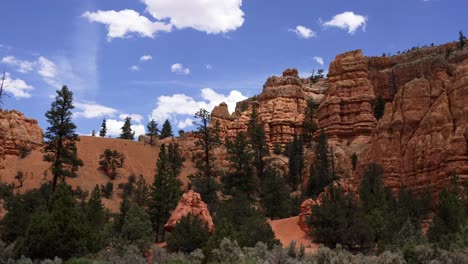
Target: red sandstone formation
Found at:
x=17, y=131
x=306, y=211
x=192, y=203
x=280, y=108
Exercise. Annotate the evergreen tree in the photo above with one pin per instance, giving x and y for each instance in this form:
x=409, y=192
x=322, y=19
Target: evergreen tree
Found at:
x=354, y=160
x=127, y=132
x=103, y=131
x=93, y=133
x=96, y=217
x=256, y=135
x=165, y=193
x=310, y=125
x=461, y=39
x=451, y=217
x=320, y=175
x=379, y=107
x=153, y=130
x=296, y=162
x=189, y=234
x=175, y=157
x=141, y=192
x=166, y=130
x=137, y=228
x=275, y=195
x=60, y=148
x=110, y=160
x=204, y=180
x=241, y=158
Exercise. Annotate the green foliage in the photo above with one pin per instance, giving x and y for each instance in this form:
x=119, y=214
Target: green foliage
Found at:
x=277, y=149
x=127, y=132
x=137, y=228
x=320, y=175
x=296, y=162
x=241, y=179
x=189, y=234
x=338, y=220
x=461, y=39
x=63, y=231
x=110, y=160
x=103, y=131
x=175, y=157
x=451, y=216
x=153, y=130
x=316, y=77
x=224, y=230
x=310, y=125
x=60, y=148
x=24, y=150
x=107, y=189
x=275, y=195
x=204, y=180
x=256, y=136
x=166, y=130
x=165, y=193
x=379, y=107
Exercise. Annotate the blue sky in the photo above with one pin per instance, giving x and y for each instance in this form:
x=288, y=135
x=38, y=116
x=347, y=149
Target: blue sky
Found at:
x=167, y=58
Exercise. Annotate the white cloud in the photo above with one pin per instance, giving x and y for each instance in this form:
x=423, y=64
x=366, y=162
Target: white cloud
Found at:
x=114, y=128
x=146, y=58
x=303, y=32
x=179, y=68
x=46, y=68
x=121, y=24
x=187, y=106
x=17, y=87
x=210, y=16
x=347, y=21
x=208, y=66
x=134, y=68
x=185, y=123
x=135, y=117
x=319, y=60
x=22, y=66
x=93, y=110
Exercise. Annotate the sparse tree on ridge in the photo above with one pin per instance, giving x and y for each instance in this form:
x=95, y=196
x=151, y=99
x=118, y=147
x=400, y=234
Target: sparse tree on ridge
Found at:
x=153, y=130
x=127, y=132
x=166, y=130
x=103, y=131
x=462, y=39
x=60, y=147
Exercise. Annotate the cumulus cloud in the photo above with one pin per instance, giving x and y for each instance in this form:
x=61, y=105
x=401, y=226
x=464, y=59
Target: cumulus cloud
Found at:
x=93, y=110
x=114, y=128
x=17, y=87
x=185, y=123
x=210, y=16
x=146, y=58
x=124, y=23
x=303, y=32
x=44, y=67
x=187, y=106
x=347, y=21
x=319, y=60
x=179, y=68
x=209, y=66
x=135, y=117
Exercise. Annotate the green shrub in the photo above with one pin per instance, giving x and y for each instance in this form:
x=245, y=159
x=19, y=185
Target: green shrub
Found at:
x=189, y=233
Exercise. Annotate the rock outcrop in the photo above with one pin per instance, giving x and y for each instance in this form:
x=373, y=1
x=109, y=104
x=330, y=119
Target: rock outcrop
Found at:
x=16, y=132
x=306, y=211
x=190, y=203
x=280, y=108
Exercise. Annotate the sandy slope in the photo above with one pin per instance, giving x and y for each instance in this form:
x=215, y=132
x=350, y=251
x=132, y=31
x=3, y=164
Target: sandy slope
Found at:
x=287, y=230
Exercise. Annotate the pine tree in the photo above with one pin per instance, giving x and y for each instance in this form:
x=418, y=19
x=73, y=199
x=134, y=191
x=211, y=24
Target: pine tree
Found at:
x=60, y=148
x=461, y=39
x=137, y=229
x=204, y=180
x=110, y=160
x=241, y=158
x=165, y=193
x=256, y=135
x=310, y=125
x=103, y=131
x=275, y=195
x=127, y=132
x=153, y=130
x=189, y=234
x=320, y=175
x=379, y=107
x=96, y=217
x=296, y=162
x=166, y=130
x=175, y=157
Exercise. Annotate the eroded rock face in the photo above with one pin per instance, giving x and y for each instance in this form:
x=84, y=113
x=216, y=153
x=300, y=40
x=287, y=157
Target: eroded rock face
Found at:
x=423, y=135
x=306, y=211
x=17, y=131
x=280, y=108
x=192, y=203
